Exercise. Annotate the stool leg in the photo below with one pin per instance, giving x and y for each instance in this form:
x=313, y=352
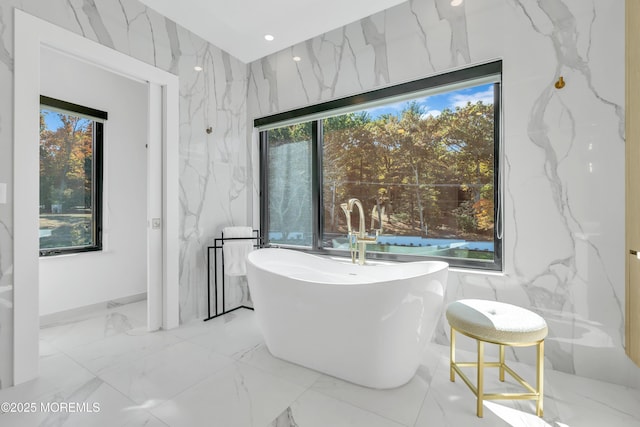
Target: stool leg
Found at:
x=540, y=378
x=480, y=377
x=501, y=362
x=452, y=356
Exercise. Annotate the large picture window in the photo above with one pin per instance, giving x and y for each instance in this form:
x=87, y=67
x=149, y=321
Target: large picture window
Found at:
x=422, y=157
x=290, y=183
x=71, y=140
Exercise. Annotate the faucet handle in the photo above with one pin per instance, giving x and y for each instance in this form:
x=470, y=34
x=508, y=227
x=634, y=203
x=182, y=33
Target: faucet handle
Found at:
x=377, y=231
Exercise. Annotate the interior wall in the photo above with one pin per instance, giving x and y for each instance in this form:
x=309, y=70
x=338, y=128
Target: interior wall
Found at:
x=120, y=269
x=563, y=155
x=212, y=167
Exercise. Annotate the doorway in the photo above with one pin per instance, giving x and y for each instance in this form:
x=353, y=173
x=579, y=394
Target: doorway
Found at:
x=79, y=167
x=32, y=34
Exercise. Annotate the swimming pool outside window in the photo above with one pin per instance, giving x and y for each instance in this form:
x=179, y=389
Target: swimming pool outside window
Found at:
x=423, y=157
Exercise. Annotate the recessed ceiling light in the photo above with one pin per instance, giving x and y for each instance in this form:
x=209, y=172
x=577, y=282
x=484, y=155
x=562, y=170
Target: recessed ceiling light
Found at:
x=456, y=2
x=197, y=68
x=297, y=58
x=268, y=37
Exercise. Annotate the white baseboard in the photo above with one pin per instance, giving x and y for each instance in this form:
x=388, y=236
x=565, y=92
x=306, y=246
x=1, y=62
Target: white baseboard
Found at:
x=88, y=311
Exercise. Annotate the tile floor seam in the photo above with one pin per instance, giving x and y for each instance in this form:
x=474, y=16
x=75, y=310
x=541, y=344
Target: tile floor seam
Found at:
x=290, y=403
x=234, y=365
x=215, y=372
x=205, y=378
x=281, y=377
x=134, y=404
x=174, y=331
x=570, y=400
x=352, y=405
x=415, y=422
x=424, y=399
x=135, y=359
x=101, y=313
x=64, y=348
x=591, y=401
x=320, y=390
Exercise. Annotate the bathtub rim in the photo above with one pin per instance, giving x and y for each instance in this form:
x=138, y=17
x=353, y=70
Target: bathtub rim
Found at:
x=345, y=264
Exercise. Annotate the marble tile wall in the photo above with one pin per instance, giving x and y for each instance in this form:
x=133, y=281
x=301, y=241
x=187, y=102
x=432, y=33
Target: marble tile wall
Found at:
x=563, y=149
x=213, y=173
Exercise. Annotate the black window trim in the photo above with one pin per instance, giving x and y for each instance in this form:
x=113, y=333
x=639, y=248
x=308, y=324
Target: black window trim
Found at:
x=98, y=117
x=446, y=79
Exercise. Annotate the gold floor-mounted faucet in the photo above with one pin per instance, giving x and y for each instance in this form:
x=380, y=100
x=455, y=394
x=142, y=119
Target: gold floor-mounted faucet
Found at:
x=359, y=240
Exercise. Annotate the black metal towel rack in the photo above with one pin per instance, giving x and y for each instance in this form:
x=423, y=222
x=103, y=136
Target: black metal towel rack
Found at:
x=218, y=243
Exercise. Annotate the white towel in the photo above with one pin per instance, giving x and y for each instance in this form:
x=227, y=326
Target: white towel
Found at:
x=235, y=251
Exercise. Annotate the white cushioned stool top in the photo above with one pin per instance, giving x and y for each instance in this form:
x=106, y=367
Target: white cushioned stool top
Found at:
x=496, y=321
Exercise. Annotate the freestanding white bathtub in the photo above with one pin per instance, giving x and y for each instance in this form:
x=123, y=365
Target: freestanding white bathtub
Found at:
x=365, y=324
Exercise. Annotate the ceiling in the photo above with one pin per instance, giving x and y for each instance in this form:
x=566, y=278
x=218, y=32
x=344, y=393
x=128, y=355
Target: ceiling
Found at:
x=239, y=26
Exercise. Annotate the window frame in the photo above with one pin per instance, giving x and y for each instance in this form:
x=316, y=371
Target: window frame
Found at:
x=97, y=170
x=315, y=114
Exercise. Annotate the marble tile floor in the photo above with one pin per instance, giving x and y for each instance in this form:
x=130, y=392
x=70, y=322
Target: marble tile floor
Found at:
x=106, y=370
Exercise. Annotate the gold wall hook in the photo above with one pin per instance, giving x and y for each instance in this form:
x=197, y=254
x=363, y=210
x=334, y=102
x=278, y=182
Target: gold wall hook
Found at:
x=560, y=83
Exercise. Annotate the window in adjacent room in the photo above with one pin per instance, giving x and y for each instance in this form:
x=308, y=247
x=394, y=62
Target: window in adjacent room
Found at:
x=422, y=157
x=71, y=145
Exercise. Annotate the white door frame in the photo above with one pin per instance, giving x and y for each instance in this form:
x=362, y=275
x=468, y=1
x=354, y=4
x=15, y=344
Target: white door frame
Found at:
x=30, y=34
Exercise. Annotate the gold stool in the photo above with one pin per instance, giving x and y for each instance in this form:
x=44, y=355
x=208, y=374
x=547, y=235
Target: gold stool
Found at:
x=505, y=325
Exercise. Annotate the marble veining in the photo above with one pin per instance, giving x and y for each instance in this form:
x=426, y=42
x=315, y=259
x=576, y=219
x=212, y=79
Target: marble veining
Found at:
x=174, y=44
x=5, y=56
x=95, y=19
x=285, y=419
x=153, y=37
x=376, y=39
x=417, y=16
x=185, y=378
x=563, y=149
x=77, y=18
x=270, y=75
x=565, y=38
x=213, y=167
x=457, y=19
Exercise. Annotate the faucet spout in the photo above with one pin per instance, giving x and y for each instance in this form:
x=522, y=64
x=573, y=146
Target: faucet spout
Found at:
x=359, y=244
x=361, y=221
